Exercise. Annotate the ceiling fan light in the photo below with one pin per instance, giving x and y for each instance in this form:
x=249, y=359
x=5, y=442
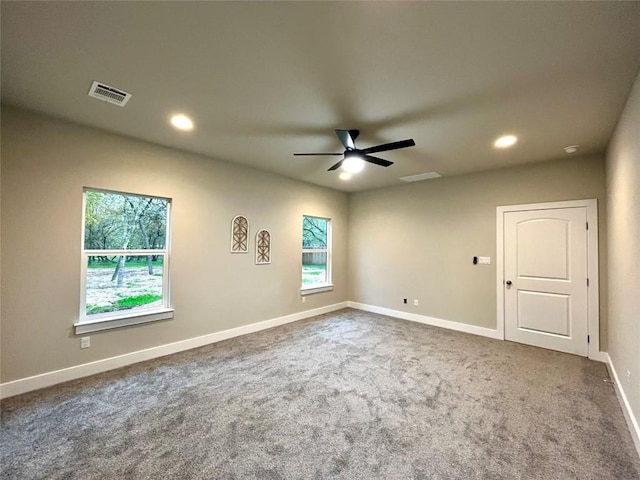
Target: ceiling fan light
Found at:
x=353, y=164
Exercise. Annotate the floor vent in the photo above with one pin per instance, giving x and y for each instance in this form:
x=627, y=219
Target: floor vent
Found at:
x=421, y=176
x=109, y=94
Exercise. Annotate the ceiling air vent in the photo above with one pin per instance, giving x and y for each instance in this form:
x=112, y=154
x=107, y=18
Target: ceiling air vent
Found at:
x=109, y=94
x=421, y=176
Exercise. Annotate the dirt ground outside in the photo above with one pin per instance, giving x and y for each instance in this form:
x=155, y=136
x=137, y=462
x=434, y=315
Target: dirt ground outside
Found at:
x=103, y=292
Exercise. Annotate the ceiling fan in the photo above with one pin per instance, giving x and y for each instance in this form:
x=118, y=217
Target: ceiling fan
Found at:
x=348, y=137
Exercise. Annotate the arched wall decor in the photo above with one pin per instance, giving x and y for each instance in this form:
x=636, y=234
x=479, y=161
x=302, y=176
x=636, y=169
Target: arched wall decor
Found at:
x=239, y=234
x=263, y=247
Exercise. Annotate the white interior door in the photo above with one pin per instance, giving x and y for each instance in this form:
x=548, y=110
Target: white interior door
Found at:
x=545, y=278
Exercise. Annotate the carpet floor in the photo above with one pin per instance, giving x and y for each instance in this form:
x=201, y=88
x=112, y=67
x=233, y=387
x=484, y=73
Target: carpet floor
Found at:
x=349, y=395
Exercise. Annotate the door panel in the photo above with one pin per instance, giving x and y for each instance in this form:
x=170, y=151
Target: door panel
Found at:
x=543, y=248
x=546, y=262
x=544, y=312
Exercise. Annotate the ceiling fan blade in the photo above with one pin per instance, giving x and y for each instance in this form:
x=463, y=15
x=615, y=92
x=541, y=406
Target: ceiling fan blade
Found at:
x=345, y=138
x=389, y=146
x=307, y=154
x=336, y=166
x=378, y=161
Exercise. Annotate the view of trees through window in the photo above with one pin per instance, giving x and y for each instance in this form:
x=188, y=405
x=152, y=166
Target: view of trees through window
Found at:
x=125, y=240
x=315, y=250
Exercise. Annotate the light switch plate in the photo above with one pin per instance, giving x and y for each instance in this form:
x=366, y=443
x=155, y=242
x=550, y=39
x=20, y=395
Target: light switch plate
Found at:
x=484, y=260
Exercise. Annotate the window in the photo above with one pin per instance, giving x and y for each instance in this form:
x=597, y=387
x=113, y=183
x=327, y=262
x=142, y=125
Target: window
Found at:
x=316, y=254
x=125, y=260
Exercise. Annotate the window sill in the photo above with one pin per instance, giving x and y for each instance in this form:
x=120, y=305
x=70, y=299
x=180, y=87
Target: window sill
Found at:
x=327, y=287
x=99, y=324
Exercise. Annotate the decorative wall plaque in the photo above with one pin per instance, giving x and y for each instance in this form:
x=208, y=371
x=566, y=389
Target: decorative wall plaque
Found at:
x=239, y=234
x=263, y=247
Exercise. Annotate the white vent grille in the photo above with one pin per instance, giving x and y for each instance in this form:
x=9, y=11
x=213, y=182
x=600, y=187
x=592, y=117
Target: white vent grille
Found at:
x=421, y=176
x=109, y=94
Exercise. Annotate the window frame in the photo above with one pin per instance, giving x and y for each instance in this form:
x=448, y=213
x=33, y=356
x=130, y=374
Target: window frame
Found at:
x=328, y=284
x=104, y=321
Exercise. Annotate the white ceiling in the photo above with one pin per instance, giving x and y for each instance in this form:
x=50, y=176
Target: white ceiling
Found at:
x=263, y=80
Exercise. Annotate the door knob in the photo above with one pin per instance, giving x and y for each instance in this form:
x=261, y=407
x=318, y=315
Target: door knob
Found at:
x=508, y=282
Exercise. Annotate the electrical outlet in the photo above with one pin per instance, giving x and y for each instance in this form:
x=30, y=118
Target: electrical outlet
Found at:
x=484, y=260
x=415, y=302
x=404, y=300
x=628, y=376
x=304, y=299
x=85, y=342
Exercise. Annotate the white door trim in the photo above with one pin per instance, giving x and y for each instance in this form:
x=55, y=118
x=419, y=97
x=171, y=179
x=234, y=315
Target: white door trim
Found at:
x=593, y=302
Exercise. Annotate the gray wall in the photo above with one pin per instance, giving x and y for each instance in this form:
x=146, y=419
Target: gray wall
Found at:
x=413, y=241
x=45, y=165
x=417, y=241
x=623, y=218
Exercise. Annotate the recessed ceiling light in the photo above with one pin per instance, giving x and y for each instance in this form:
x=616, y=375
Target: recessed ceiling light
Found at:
x=353, y=164
x=505, y=141
x=182, y=122
x=345, y=176
x=571, y=148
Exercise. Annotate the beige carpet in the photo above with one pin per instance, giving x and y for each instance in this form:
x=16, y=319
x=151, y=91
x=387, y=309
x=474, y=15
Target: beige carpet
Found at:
x=347, y=395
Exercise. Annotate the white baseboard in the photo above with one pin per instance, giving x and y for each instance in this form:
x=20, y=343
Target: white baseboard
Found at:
x=436, y=322
x=632, y=422
x=48, y=379
x=460, y=327
x=599, y=357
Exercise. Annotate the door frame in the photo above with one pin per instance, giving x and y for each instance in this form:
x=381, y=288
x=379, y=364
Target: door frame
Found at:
x=593, y=299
